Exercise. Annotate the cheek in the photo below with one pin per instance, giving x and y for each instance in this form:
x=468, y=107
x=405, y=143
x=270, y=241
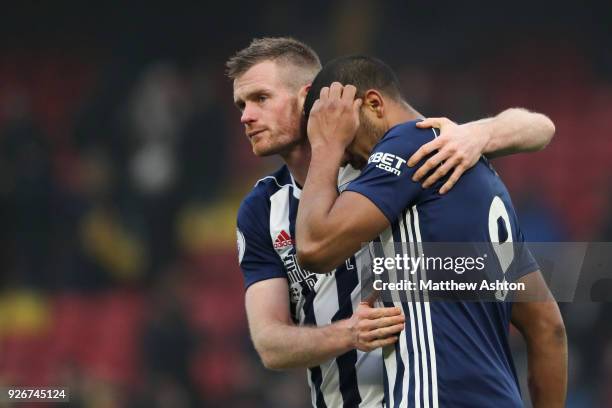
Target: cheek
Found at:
x=289, y=119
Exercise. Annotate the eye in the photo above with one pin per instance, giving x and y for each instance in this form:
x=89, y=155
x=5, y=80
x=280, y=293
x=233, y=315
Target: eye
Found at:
x=262, y=98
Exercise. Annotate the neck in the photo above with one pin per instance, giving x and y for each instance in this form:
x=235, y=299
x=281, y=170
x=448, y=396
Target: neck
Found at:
x=395, y=114
x=400, y=113
x=298, y=160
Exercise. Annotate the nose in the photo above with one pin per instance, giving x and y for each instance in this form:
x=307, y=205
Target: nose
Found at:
x=248, y=115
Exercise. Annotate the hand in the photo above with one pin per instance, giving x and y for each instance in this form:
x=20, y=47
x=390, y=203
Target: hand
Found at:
x=372, y=328
x=459, y=147
x=334, y=117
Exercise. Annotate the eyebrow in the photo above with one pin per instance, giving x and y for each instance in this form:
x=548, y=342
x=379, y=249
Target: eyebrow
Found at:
x=249, y=95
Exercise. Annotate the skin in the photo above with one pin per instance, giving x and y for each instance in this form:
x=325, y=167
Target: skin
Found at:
x=348, y=219
x=270, y=114
x=283, y=345
x=459, y=150
x=270, y=110
x=542, y=326
x=271, y=105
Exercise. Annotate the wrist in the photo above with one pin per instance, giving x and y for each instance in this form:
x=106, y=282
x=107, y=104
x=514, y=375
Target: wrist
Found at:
x=327, y=146
x=329, y=151
x=484, y=129
x=344, y=334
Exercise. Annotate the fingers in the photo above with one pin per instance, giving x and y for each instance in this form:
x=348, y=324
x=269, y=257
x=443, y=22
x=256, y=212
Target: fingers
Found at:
x=430, y=164
x=371, y=299
x=357, y=104
x=381, y=333
x=424, y=151
x=348, y=92
x=335, y=90
x=382, y=343
x=452, y=179
x=441, y=172
x=369, y=345
x=450, y=155
x=433, y=122
x=377, y=327
x=324, y=93
x=338, y=91
x=368, y=325
x=373, y=345
x=376, y=313
x=315, y=106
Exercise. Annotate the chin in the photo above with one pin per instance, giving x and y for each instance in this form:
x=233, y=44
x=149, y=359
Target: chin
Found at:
x=266, y=150
x=259, y=152
x=279, y=147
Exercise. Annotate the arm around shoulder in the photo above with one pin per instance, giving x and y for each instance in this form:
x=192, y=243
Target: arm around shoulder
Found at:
x=517, y=130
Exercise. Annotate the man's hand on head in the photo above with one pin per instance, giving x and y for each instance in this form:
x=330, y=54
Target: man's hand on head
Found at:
x=458, y=149
x=334, y=118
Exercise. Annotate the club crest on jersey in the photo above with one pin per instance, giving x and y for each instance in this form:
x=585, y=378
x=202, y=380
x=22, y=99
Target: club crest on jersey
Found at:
x=387, y=162
x=283, y=239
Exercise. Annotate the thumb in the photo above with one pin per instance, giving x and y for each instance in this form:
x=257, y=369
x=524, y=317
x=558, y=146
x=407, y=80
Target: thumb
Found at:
x=371, y=299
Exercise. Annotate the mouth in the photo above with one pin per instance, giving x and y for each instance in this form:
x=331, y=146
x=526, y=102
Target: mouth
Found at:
x=253, y=133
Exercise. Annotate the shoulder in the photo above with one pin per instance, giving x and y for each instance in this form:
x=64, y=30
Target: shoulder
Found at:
x=257, y=201
x=273, y=182
x=406, y=136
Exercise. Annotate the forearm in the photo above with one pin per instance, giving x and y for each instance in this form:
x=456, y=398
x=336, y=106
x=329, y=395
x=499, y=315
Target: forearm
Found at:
x=284, y=346
x=515, y=130
x=317, y=200
x=547, y=360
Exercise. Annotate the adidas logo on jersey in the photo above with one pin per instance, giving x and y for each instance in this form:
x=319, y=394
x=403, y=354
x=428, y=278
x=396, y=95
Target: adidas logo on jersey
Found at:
x=283, y=239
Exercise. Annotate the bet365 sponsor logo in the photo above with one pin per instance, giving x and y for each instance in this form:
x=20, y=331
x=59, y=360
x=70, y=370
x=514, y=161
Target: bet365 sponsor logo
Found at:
x=387, y=162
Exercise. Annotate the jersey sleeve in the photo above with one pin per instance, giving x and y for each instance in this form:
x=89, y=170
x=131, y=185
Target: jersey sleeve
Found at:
x=256, y=255
x=387, y=180
x=525, y=263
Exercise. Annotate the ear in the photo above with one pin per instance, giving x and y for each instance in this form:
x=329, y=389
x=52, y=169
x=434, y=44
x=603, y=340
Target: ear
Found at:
x=374, y=101
x=302, y=96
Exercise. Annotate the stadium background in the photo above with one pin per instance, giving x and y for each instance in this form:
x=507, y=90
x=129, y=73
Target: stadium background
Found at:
x=123, y=162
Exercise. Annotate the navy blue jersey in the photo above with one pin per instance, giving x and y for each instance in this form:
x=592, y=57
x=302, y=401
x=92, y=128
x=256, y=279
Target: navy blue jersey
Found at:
x=266, y=250
x=451, y=353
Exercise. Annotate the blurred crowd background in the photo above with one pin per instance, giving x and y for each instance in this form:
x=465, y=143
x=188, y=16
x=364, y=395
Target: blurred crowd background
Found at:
x=123, y=163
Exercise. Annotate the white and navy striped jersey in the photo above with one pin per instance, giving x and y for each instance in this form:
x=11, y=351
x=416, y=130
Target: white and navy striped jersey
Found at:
x=266, y=227
x=452, y=353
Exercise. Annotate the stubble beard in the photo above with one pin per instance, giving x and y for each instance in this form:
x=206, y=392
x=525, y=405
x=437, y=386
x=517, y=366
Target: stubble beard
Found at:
x=371, y=133
x=286, y=138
